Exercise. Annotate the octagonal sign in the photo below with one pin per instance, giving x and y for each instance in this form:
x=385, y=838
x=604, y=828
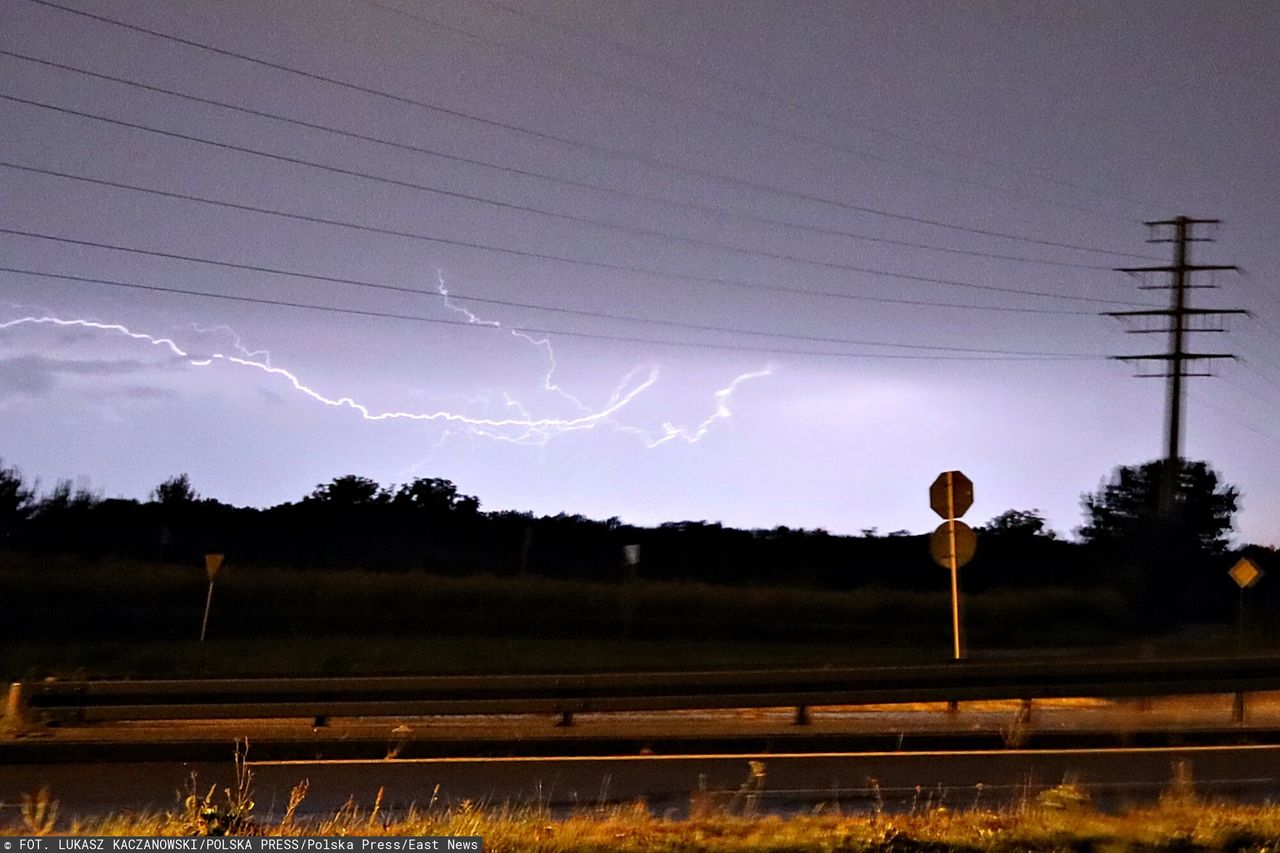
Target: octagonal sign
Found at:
x=951, y=494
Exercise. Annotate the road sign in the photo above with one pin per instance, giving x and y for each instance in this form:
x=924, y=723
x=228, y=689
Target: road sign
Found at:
x=1245, y=573
x=951, y=494
x=212, y=562
x=952, y=544
x=631, y=554
x=940, y=543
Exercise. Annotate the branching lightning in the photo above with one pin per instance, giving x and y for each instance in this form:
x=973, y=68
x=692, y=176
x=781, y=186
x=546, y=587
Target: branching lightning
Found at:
x=521, y=428
x=236, y=341
x=543, y=344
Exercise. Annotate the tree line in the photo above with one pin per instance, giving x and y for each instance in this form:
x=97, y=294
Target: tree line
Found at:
x=1166, y=566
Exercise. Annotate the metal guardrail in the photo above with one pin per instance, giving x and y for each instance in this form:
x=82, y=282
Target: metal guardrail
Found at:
x=565, y=695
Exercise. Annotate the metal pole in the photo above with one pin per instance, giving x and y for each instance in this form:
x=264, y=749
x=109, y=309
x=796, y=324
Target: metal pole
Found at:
x=1177, y=354
x=207, y=602
x=1240, y=623
x=955, y=569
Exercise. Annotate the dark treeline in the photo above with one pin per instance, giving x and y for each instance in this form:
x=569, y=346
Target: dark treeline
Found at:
x=1165, y=570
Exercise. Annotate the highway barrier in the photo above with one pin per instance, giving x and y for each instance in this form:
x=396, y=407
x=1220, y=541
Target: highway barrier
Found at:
x=53, y=702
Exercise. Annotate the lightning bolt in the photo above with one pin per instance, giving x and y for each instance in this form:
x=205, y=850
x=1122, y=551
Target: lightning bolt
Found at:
x=548, y=383
x=236, y=341
x=522, y=428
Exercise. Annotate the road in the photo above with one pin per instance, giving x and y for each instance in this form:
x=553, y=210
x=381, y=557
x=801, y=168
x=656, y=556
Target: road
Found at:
x=919, y=755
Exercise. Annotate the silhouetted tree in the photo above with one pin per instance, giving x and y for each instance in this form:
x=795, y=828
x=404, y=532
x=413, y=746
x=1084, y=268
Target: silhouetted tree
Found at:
x=434, y=495
x=1018, y=522
x=1167, y=565
x=349, y=490
x=175, y=491
x=66, y=497
x=17, y=501
x=1127, y=510
x=61, y=518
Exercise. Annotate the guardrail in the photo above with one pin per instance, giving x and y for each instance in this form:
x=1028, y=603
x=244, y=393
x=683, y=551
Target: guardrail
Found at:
x=565, y=695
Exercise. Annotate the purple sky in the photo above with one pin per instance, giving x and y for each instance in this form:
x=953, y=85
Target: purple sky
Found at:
x=638, y=152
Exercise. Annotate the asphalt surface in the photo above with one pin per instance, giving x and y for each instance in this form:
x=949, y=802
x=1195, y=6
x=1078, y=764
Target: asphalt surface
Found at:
x=670, y=785
x=898, y=757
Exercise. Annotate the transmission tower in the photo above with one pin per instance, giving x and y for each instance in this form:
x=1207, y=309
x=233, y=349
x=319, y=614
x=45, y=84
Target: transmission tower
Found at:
x=1177, y=359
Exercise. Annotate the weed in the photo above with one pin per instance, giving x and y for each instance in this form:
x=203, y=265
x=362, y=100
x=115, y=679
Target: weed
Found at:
x=1070, y=796
x=1182, y=789
x=877, y=794
x=39, y=812
x=746, y=799
x=232, y=816
x=377, y=807
x=296, y=795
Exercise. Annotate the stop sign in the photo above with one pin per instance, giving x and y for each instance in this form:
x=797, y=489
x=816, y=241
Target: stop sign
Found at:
x=951, y=494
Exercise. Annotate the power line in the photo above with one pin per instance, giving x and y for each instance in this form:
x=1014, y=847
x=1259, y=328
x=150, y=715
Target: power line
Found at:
x=644, y=232
x=1249, y=365
x=719, y=212
x=613, y=152
x=989, y=355
x=534, y=306
x=1234, y=416
x=751, y=122
x=435, y=294
x=545, y=256
x=1253, y=315
x=671, y=61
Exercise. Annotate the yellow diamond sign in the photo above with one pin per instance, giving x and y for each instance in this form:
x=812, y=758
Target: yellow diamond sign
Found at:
x=1245, y=573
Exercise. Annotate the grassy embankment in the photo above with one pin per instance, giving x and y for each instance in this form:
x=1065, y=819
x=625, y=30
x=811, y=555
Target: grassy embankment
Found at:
x=1058, y=819
x=69, y=617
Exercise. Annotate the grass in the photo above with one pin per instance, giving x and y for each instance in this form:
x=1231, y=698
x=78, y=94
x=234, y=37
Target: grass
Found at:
x=1057, y=819
x=68, y=617
x=462, y=655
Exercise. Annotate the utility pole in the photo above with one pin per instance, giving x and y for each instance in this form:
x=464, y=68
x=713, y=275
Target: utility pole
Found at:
x=1177, y=358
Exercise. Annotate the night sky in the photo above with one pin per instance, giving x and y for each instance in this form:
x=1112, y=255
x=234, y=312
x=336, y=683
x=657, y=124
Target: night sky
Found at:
x=763, y=263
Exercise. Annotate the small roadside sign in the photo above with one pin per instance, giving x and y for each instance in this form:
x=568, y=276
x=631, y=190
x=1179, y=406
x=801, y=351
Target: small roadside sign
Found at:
x=951, y=494
x=213, y=562
x=631, y=554
x=1245, y=573
x=940, y=543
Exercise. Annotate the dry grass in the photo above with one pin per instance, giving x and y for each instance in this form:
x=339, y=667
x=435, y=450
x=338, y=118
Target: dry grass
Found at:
x=1058, y=819
x=1180, y=826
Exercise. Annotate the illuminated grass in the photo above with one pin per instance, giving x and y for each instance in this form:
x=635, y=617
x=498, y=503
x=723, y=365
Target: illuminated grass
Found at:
x=1059, y=818
x=1174, y=824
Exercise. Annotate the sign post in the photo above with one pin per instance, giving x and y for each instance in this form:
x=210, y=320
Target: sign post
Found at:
x=954, y=542
x=212, y=562
x=1245, y=573
x=631, y=573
